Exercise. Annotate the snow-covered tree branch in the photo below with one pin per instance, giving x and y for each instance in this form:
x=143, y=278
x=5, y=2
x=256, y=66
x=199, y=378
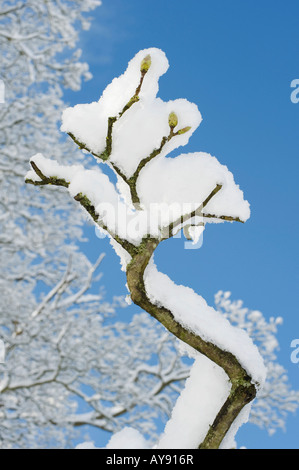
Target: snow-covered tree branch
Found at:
x=133, y=131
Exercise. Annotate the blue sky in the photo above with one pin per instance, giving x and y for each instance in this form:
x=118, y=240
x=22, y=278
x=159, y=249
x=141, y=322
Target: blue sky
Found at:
x=236, y=61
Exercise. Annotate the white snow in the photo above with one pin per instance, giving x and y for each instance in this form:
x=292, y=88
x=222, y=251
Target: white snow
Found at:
x=194, y=233
x=168, y=188
x=86, y=445
x=190, y=178
x=142, y=128
x=95, y=185
x=120, y=218
x=88, y=122
x=124, y=256
x=127, y=438
x=185, y=179
x=192, y=311
x=205, y=392
x=52, y=168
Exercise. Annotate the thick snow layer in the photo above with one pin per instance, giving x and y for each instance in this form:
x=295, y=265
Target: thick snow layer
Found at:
x=88, y=122
x=192, y=311
x=95, y=186
x=141, y=129
x=124, y=256
x=190, y=178
x=127, y=438
x=120, y=218
x=52, y=168
x=114, y=213
x=168, y=188
x=205, y=392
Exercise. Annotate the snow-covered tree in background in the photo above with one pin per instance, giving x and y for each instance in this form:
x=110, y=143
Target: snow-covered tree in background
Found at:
x=155, y=197
x=38, y=58
x=67, y=366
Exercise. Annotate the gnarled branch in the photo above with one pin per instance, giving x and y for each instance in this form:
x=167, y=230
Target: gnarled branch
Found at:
x=243, y=390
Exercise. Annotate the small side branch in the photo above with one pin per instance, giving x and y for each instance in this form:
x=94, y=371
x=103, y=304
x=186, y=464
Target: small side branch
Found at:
x=108, y=149
x=132, y=181
x=84, y=202
x=89, y=207
x=228, y=218
x=111, y=121
x=104, y=156
x=81, y=145
x=45, y=179
x=199, y=212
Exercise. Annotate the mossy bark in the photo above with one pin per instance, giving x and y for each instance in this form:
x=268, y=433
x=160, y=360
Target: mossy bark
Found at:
x=242, y=391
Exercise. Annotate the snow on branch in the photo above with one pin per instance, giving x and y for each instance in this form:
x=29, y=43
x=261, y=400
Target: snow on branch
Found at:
x=122, y=127
x=133, y=131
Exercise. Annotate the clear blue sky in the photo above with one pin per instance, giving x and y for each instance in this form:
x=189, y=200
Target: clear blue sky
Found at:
x=236, y=61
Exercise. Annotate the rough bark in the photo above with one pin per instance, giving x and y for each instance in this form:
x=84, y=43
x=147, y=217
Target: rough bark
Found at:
x=242, y=391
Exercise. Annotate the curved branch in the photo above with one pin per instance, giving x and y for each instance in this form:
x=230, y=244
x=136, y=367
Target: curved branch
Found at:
x=243, y=390
x=45, y=179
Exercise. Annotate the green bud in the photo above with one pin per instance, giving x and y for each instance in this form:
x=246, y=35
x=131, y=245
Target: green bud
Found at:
x=172, y=120
x=146, y=63
x=184, y=130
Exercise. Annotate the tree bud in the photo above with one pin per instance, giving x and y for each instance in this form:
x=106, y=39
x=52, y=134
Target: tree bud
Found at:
x=172, y=120
x=184, y=130
x=145, y=64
